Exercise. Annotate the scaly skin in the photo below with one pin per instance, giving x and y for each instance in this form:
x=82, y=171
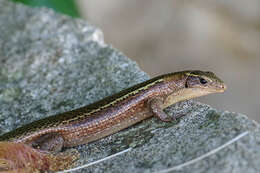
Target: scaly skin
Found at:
x=116, y=112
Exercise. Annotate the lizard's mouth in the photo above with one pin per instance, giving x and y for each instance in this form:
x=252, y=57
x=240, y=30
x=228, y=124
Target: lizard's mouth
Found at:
x=221, y=88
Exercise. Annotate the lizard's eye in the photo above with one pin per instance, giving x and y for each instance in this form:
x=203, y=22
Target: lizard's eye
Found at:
x=203, y=81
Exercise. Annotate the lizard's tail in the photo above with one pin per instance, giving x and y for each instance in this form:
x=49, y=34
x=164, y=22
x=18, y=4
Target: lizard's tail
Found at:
x=18, y=157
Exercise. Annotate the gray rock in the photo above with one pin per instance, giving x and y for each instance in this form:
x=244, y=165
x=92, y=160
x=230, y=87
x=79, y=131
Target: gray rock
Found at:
x=51, y=63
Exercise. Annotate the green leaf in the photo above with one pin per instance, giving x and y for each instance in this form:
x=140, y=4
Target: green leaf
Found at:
x=68, y=7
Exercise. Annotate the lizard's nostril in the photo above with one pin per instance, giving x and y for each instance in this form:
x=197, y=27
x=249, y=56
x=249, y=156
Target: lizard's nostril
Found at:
x=224, y=86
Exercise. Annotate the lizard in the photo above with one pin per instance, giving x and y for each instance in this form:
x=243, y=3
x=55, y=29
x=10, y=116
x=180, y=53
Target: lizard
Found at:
x=113, y=113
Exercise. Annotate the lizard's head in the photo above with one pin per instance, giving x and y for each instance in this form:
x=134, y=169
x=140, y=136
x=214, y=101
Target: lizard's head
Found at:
x=191, y=84
x=205, y=82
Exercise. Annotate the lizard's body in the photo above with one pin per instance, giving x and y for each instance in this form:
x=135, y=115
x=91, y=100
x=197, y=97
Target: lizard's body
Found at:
x=116, y=112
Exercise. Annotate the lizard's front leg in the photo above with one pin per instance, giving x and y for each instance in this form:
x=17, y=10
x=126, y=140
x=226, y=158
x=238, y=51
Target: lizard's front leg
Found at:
x=156, y=106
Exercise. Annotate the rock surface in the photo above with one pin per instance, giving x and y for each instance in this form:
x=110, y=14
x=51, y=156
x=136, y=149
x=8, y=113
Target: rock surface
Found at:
x=51, y=63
